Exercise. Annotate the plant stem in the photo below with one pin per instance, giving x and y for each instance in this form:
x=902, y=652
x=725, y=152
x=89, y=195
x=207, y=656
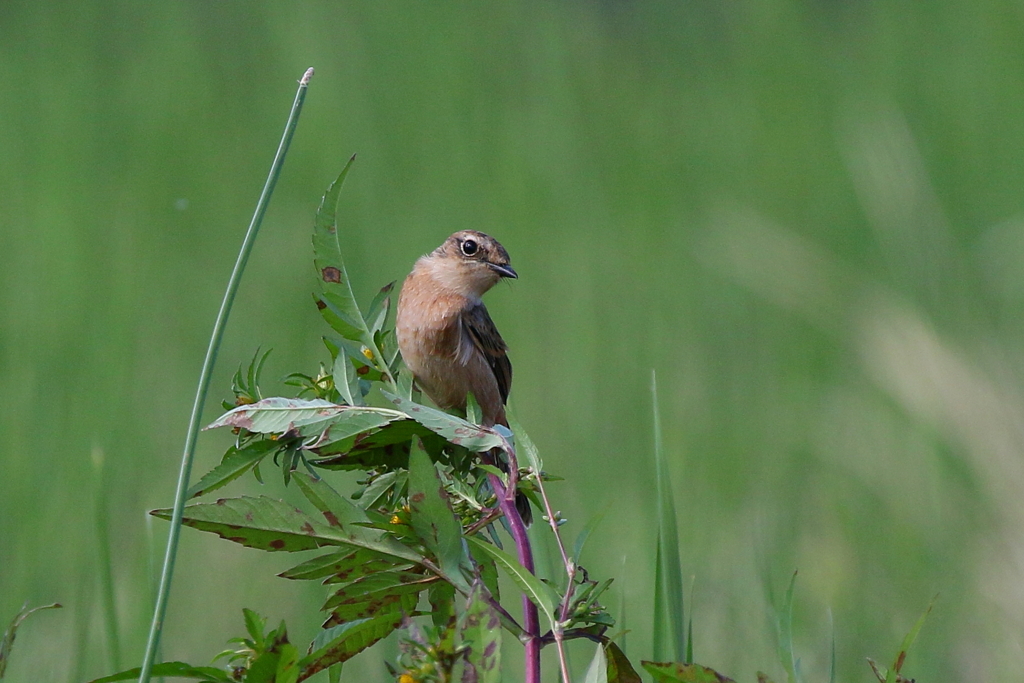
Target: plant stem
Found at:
x=531, y=619
x=570, y=585
x=160, y=610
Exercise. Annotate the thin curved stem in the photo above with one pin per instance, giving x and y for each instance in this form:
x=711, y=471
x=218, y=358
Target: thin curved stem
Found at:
x=160, y=609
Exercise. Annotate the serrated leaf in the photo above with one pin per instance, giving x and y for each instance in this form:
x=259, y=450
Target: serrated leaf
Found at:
x=481, y=634
x=674, y=672
x=342, y=567
x=455, y=430
x=254, y=626
x=207, y=674
x=536, y=590
x=432, y=518
x=619, y=668
x=343, y=515
x=341, y=643
x=233, y=466
x=376, y=593
x=309, y=416
x=269, y=524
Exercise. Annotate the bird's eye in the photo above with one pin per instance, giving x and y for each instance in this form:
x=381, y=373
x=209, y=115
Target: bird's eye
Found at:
x=469, y=247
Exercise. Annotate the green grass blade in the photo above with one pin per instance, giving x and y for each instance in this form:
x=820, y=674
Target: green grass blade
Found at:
x=669, y=635
x=106, y=563
x=160, y=610
x=785, y=633
x=7, y=642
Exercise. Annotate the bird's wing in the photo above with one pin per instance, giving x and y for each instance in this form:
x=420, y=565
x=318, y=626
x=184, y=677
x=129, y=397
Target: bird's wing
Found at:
x=481, y=332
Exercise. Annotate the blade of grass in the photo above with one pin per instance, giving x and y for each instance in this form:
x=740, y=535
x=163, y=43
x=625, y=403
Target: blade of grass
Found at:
x=163, y=593
x=669, y=632
x=785, y=630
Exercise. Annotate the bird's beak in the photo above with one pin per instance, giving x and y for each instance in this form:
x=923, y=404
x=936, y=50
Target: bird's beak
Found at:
x=503, y=270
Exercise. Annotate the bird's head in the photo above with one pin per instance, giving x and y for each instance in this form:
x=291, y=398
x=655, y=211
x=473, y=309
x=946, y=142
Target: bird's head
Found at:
x=470, y=263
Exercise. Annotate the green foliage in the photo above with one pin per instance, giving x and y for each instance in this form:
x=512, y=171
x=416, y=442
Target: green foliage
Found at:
x=420, y=525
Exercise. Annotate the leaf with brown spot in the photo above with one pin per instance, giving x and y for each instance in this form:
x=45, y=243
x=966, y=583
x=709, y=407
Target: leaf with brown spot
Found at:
x=432, y=517
x=342, y=642
x=338, y=567
x=454, y=429
x=273, y=520
x=674, y=672
x=347, y=519
x=481, y=634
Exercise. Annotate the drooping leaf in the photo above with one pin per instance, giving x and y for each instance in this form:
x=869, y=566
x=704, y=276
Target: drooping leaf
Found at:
x=308, y=416
x=539, y=592
x=597, y=672
x=481, y=634
x=431, y=517
x=207, y=674
x=344, y=516
x=669, y=631
x=8, y=640
x=674, y=672
x=619, y=668
x=268, y=524
x=343, y=566
x=340, y=643
x=376, y=593
x=453, y=429
x=236, y=463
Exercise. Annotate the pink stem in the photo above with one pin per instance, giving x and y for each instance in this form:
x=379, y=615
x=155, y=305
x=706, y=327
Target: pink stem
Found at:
x=531, y=619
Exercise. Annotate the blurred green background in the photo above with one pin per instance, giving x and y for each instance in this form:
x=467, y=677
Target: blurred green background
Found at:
x=807, y=216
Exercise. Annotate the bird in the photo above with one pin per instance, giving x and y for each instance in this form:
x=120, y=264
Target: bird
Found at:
x=445, y=334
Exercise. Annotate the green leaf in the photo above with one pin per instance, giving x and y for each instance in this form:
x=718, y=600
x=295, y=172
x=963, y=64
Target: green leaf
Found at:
x=254, y=626
x=669, y=632
x=287, y=665
x=376, y=593
x=263, y=668
x=309, y=416
x=481, y=634
x=442, y=603
x=341, y=643
x=432, y=518
x=597, y=672
x=235, y=463
x=672, y=672
x=539, y=592
x=619, y=668
x=8, y=640
x=346, y=380
x=524, y=444
x=377, y=313
x=330, y=266
x=380, y=487
x=343, y=515
x=786, y=654
x=268, y=524
x=207, y=674
x=455, y=430
x=908, y=640
x=488, y=569
x=341, y=567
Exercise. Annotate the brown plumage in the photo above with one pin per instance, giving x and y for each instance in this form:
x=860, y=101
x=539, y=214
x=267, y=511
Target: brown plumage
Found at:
x=445, y=334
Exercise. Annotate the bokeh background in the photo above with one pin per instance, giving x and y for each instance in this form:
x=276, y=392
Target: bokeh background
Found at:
x=806, y=215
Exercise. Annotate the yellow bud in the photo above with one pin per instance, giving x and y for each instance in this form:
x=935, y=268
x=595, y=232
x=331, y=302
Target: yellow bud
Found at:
x=368, y=353
x=395, y=519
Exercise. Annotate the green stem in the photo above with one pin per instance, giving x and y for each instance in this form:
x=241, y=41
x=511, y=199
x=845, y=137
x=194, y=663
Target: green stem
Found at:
x=164, y=590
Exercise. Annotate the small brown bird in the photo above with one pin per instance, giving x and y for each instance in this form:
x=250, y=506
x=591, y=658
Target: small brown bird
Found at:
x=445, y=334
